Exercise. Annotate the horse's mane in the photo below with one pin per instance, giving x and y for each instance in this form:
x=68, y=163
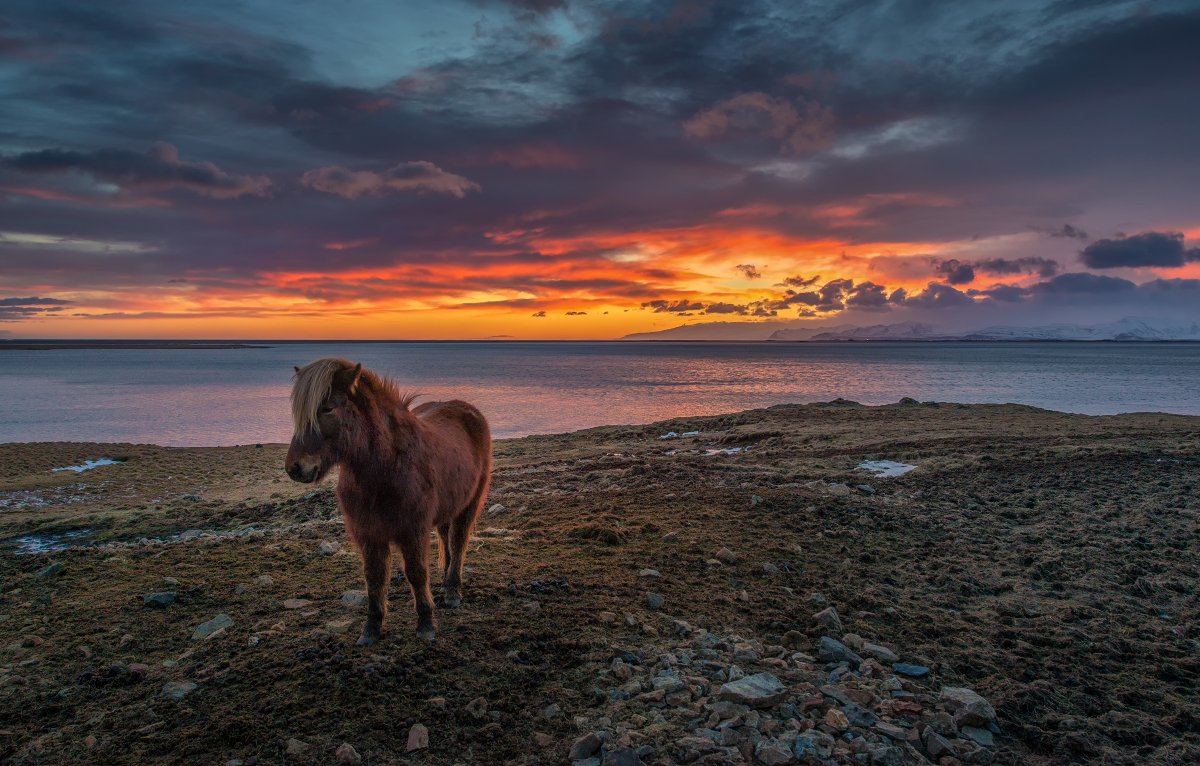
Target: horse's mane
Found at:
x=314, y=380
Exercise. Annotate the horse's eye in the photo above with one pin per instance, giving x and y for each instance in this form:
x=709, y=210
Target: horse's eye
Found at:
x=326, y=410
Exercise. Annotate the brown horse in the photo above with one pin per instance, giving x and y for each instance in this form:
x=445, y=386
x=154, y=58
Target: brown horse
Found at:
x=404, y=472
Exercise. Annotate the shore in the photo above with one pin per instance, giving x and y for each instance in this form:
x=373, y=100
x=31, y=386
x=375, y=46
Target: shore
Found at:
x=618, y=585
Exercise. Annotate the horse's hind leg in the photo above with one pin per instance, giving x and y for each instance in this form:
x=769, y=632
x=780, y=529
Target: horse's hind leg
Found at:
x=460, y=536
x=444, y=549
x=416, y=568
x=376, y=564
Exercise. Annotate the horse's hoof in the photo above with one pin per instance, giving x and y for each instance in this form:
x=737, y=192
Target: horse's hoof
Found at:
x=428, y=634
x=366, y=639
x=451, y=600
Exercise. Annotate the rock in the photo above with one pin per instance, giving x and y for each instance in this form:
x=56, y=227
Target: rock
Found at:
x=910, y=670
x=866, y=489
x=828, y=618
x=418, y=738
x=967, y=707
x=836, y=719
x=622, y=756
x=608, y=618
x=817, y=599
x=329, y=547
x=542, y=740
x=811, y=746
x=726, y=556
x=264, y=580
x=773, y=752
x=881, y=653
x=655, y=600
x=936, y=745
x=585, y=747
x=295, y=747
x=139, y=670
x=755, y=500
x=649, y=573
x=831, y=650
x=296, y=603
x=206, y=629
x=160, y=600
x=978, y=735
x=758, y=690
x=551, y=711
x=769, y=569
x=49, y=571
x=496, y=509
x=354, y=598
x=170, y=581
x=478, y=707
x=177, y=690
x=346, y=755
x=898, y=733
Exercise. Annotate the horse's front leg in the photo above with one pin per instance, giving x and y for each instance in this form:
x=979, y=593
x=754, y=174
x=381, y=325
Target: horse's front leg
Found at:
x=415, y=547
x=376, y=566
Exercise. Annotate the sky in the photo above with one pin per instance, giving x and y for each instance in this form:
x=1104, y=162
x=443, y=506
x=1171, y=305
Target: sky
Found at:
x=575, y=169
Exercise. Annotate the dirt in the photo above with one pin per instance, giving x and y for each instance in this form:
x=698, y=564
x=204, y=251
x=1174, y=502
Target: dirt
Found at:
x=1047, y=561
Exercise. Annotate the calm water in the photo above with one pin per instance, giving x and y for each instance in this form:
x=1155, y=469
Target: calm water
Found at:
x=239, y=396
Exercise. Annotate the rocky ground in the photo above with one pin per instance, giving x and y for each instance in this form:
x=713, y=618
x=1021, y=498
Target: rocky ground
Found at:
x=1027, y=594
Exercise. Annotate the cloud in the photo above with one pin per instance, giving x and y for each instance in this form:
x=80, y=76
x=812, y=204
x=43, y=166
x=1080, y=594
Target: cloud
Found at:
x=749, y=271
x=801, y=127
x=13, y=309
x=1081, y=282
x=956, y=272
x=1043, y=267
x=418, y=176
x=1151, y=248
x=938, y=296
x=159, y=169
x=798, y=281
x=661, y=306
x=539, y=314
x=1066, y=231
x=725, y=308
x=576, y=313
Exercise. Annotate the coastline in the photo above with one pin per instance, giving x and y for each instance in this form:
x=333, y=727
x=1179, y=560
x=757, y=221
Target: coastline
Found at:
x=1014, y=560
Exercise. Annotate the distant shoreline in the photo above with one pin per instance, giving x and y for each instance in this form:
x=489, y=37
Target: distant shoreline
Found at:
x=68, y=345
x=55, y=345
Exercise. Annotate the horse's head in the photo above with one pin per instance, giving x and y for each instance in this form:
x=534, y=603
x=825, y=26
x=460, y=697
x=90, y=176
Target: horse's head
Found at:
x=322, y=405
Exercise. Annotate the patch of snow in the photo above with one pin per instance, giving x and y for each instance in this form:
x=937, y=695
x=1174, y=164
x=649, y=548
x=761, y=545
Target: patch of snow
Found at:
x=885, y=468
x=726, y=451
x=669, y=435
x=690, y=433
x=88, y=465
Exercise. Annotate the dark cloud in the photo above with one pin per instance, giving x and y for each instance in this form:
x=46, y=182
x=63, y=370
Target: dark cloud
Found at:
x=1066, y=231
x=14, y=309
x=539, y=314
x=938, y=296
x=1151, y=248
x=749, y=271
x=661, y=306
x=576, y=313
x=726, y=308
x=405, y=177
x=1043, y=267
x=33, y=301
x=158, y=169
x=1082, y=282
x=956, y=272
x=1003, y=293
x=798, y=281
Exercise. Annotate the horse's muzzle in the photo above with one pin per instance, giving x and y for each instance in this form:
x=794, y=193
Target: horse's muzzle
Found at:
x=297, y=473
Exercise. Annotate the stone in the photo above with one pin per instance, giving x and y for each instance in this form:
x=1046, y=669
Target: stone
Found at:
x=329, y=547
x=346, y=755
x=773, y=752
x=881, y=653
x=978, y=735
x=655, y=600
x=829, y=649
x=836, y=719
x=726, y=556
x=910, y=670
x=585, y=747
x=296, y=603
x=892, y=731
x=50, y=570
x=769, y=569
x=354, y=598
x=160, y=600
x=622, y=756
x=206, y=629
x=542, y=739
x=264, y=580
x=170, y=582
x=828, y=618
x=177, y=690
x=478, y=707
x=139, y=670
x=295, y=747
x=649, y=573
x=496, y=509
x=418, y=738
x=936, y=745
x=758, y=690
x=967, y=707
x=812, y=746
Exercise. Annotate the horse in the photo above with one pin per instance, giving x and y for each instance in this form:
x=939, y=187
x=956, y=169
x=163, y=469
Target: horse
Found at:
x=405, y=471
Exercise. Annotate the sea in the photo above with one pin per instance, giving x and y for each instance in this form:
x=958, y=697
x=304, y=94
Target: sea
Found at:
x=226, y=396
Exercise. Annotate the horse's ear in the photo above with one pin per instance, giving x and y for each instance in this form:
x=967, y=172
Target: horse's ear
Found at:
x=349, y=378
x=297, y=369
